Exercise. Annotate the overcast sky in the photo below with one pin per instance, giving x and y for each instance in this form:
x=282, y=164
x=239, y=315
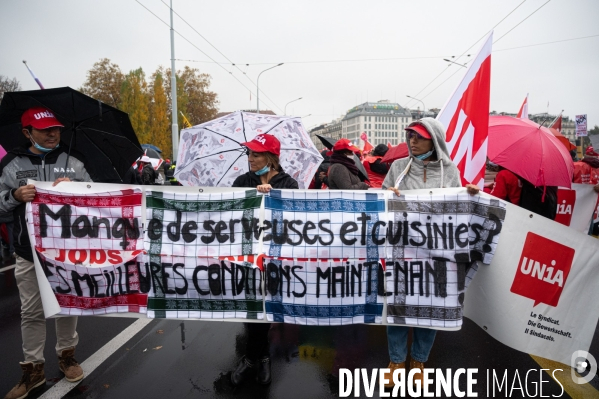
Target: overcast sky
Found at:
x=336, y=54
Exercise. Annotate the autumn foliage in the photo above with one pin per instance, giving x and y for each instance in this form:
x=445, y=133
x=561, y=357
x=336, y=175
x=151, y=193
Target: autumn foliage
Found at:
x=148, y=100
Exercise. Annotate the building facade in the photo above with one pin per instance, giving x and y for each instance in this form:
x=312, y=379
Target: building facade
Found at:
x=383, y=122
x=331, y=129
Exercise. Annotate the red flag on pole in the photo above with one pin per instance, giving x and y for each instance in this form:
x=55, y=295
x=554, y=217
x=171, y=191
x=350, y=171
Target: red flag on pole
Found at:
x=466, y=118
x=523, y=113
x=557, y=123
x=367, y=147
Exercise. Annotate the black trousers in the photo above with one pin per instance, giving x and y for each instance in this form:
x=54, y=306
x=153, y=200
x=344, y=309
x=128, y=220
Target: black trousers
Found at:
x=257, y=343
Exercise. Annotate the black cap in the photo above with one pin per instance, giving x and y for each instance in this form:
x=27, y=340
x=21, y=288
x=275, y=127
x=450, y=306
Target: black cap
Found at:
x=380, y=150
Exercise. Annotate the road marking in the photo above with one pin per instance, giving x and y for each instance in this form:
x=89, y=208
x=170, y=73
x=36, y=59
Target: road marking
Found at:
x=576, y=391
x=62, y=387
x=7, y=268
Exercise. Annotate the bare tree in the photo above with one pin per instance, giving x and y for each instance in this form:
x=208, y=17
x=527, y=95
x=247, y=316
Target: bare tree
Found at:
x=7, y=84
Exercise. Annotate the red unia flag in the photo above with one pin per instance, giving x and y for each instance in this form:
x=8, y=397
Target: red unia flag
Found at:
x=466, y=118
x=523, y=113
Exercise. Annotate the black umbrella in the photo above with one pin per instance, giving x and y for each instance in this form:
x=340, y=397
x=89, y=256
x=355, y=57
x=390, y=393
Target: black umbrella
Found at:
x=101, y=133
x=330, y=142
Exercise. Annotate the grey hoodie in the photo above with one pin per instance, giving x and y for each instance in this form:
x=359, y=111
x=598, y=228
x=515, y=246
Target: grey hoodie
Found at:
x=439, y=174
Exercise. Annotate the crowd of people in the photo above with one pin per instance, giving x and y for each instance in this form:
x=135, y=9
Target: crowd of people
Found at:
x=427, y=165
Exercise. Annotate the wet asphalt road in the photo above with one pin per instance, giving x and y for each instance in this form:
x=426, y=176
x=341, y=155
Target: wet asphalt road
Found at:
x=193, y=359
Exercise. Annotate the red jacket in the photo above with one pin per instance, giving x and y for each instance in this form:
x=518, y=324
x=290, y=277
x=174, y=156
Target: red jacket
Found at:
x=585, y=174
x=507, y=187
x=375, y=179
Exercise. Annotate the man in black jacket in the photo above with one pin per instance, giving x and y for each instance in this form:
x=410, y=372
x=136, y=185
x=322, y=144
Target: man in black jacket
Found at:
x=42, y=159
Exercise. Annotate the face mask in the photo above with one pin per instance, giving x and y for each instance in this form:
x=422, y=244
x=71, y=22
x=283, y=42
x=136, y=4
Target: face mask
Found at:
x=424, y=156
x=350, y=156
x=42, y=149
x=263, y=171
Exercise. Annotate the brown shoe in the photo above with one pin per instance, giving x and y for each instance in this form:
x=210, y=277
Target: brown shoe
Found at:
x=414, y=364
x=69, y=366
x=392, y=367
x=33, y=377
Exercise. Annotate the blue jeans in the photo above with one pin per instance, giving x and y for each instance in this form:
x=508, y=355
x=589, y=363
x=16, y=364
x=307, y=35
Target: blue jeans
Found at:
x=422, y=342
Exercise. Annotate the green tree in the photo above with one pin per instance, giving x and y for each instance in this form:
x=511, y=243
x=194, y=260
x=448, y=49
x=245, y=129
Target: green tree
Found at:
x=160, y=127
x=594, y=130
x=135, y=101
x=104, y=82
x=194, y=98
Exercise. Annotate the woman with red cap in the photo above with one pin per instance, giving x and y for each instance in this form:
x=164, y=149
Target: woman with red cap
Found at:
x=428, y=166
x=265, y=173
x=343, y=172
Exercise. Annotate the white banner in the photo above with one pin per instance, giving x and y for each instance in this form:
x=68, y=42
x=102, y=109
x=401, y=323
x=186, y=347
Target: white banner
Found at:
x=575, y=206
x=581, y=125
x=539, y=294
x=324, y=293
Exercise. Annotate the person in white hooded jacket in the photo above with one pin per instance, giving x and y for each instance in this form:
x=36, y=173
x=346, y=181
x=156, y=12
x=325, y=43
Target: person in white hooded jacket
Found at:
x=428, y=166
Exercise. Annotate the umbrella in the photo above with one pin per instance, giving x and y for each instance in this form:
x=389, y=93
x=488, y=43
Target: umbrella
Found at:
x=397, y=152
x=330, y=142
x=529, y=150
x=562, y=138
x=151, y=147
x=101, y=133
x=210, y=154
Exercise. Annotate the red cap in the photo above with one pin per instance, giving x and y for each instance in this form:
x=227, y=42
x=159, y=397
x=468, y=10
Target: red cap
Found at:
x=345, y=144
x=264, y=143
x=591, y=151
x=39, y=118
x=420, y=129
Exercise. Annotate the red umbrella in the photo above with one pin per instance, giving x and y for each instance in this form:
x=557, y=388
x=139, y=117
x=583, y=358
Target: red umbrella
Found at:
x=397, y=152
x=529, y=150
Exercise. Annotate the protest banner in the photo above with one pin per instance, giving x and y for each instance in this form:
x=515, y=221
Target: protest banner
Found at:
x=575, y=206
x=324, y=293
x=88, y=245
x=539, y=275
x=433, y=251
x=581, y=125
x=198, y=224
x=203, y=288
x=537, y=294
x=112, y=286
x=324, y=224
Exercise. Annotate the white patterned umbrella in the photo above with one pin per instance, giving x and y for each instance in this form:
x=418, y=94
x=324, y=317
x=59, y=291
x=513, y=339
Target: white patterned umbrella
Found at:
x=210, y=154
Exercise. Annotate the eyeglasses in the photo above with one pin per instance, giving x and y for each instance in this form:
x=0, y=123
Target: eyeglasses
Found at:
x=413, y=135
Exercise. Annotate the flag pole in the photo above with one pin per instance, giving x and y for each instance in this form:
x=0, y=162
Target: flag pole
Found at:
x=175, y=126
x=33, y=75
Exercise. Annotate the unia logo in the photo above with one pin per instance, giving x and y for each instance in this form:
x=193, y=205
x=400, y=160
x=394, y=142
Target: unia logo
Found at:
x=260, y=138
x=542, y=270
x=45, y=114
x=565, y=206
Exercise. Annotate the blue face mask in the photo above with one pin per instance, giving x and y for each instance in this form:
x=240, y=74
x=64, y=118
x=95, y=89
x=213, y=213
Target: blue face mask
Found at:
x=42, y=149
x=422, y=157
x=263, y=171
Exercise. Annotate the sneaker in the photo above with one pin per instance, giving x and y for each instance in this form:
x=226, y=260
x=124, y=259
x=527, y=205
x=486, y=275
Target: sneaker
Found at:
x=392, y=367
x=33, y=377
x=415, y=364
x=69, y=366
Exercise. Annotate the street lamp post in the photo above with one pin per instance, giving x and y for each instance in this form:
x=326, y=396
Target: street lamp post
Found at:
x=423, y=106
x=297, y=99
x=453, y=62
x=258, y=87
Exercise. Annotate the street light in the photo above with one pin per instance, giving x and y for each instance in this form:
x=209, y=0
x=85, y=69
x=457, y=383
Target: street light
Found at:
x=297, y=99
x=453, y=62
x=258, y=87
x=423, y=106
